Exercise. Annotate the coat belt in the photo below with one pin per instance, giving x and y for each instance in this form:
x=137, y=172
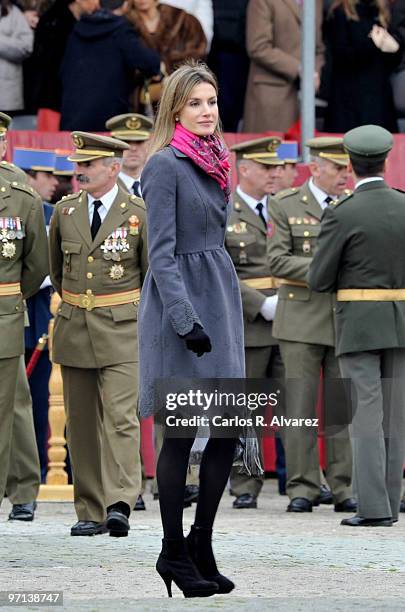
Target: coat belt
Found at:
x=89, y=301
x=370, y=295
x=10, y=289
x=263, y=282
x=290, y=281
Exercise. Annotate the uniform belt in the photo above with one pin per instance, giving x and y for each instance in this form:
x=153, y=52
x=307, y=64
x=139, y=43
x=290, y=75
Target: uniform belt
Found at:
x=89, y=301
x=263, y=282
x=370, y=295
x=10, y=289
x=289, y=281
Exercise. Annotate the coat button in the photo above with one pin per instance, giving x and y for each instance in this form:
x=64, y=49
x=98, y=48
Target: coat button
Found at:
x=290, y=295
x=222, y=224
x=223, y=208
x=89, y=275
x=90, y=259
x=306, y=233
x=17, y=308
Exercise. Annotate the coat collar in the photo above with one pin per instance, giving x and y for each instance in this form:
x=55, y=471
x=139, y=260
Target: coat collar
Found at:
x=246, y=213
x=371, y=185
x=309, y=202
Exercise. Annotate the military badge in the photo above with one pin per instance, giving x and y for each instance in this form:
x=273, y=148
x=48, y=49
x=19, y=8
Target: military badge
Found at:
x=11, y=228
x=78, y=141
x=116, y=271
x=8, y=250
x=67, y=210
x=313, y=221
x=270, y=229
x=298, y=221
x=133, y=123
x=291, y=220
x=306, y=247
x=133, y=225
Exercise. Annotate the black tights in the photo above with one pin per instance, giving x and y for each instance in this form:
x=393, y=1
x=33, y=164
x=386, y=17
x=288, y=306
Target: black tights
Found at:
x=171, y=475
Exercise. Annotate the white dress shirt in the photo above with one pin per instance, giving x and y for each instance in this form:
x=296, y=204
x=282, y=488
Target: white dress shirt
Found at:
x=319, y=194
x=370, y=179
x=252, y=203
x=129, y=181
x=107, y=199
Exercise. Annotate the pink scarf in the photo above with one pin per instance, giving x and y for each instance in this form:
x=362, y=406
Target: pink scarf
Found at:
x=208, y=152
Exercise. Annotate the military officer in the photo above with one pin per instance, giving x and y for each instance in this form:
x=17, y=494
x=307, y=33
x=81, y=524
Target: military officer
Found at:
x=135, y=130
x=246, y=240
x=98, y=261
x=23, y=265
x=303, y=325
x=7, y=170
x=288, y=153
x=39, y=166
x=360, y=255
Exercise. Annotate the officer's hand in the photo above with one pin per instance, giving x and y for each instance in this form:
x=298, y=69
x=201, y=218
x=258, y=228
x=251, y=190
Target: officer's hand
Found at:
x=198, y=341
x=268, y=309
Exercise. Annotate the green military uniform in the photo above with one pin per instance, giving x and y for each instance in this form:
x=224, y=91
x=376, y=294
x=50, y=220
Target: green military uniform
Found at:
x=95, y=337
x=304, y=326
x=24, y=470
x=360, y=255
x=246, y=241
x=23, y=265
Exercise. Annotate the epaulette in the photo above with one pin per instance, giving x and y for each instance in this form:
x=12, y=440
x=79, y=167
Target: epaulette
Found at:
x=70, y=196
x=284, y=193
x=7, y=164
x=137, y=201
x=23, y=187
x=343, y=198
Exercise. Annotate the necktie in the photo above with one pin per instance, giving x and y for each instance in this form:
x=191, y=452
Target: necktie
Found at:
x=259, y=207
x=135, y=188
x=96, y=221
x=328, y=200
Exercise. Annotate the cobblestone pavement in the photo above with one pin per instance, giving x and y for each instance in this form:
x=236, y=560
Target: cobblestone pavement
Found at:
x=278, y=561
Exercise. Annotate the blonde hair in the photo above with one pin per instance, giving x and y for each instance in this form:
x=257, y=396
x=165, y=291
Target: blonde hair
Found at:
x=176, y=92
x=349, y=7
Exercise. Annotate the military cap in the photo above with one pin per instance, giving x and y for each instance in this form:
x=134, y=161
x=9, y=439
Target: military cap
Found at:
x=130, y=127
x=5, y=121
x=93, y=146
x=261, y=150
x=368, y=142
x=40, y=160
x=63, y=167
x=330, y=148
x=288, y=152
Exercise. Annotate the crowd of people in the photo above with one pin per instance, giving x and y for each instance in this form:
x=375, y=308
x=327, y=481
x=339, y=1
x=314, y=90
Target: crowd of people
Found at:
x=72, y=64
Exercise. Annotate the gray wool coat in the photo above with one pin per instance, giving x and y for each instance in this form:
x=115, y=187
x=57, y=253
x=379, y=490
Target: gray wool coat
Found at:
x=191, y=278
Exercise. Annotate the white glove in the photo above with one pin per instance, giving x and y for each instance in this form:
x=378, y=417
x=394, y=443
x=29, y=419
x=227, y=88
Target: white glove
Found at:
x=268, y=309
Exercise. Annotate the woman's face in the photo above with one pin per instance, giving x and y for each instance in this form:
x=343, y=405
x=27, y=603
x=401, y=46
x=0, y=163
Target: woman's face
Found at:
x=200, y=113
x=144, y=5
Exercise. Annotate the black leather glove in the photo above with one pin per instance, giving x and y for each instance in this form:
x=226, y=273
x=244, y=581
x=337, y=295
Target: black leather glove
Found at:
x=197, y=341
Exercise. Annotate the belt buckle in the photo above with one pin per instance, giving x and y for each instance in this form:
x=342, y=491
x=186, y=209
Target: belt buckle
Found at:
x=87, y=300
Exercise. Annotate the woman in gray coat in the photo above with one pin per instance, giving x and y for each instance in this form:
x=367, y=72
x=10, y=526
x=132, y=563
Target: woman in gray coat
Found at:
x=190, y=316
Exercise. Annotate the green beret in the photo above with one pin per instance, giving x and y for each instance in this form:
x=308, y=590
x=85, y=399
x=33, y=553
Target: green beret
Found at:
x=368, y=142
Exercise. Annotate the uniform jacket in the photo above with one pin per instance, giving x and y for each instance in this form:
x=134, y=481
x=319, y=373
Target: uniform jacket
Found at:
x=16, y=41
x=191, y=278
x=38, y=305
x=107, y=335
x=101, y=57
x=273, y=39
x=29, y=264
x=361, y=247
x=246, y=241
x=302, y=315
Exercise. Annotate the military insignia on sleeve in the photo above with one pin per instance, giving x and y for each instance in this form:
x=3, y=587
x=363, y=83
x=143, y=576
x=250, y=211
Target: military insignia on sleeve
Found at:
x=133, y=225
x=116, y=271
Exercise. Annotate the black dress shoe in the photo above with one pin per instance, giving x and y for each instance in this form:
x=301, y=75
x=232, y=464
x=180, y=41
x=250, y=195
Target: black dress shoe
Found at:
x=191, y=494
x=347, y=505
x=402, y=506
x=325, y=496
x=87, y=528
x=22, y=512
x=299, y=504
x=117, y=523
x=358, y=521
x=140, y=504
x=245, y=501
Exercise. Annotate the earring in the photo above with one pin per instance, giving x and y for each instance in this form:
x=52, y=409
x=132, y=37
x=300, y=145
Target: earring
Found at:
x=176, y=118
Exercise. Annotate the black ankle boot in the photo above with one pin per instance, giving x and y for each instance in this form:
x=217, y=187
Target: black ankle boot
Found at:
x=174, y=563
x=200, y=550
